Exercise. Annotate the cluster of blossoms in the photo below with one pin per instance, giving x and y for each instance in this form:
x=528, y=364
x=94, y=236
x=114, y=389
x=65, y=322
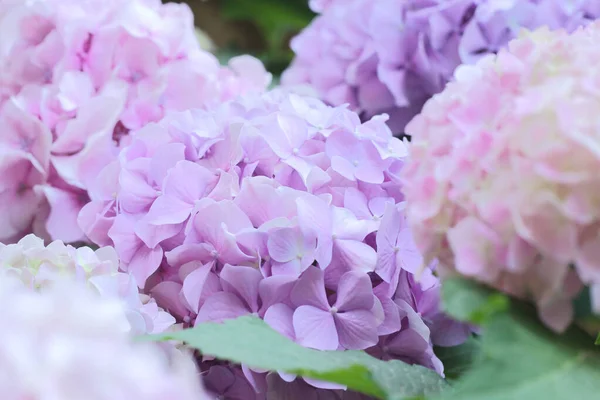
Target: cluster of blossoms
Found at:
x=279, y=206
x=75, y=77
x=38, y=266
x=390, y=56
x=65, y=342
x=503, y=180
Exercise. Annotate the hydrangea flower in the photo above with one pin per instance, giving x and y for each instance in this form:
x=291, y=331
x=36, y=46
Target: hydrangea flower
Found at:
x=65, y=342
x=502, y=181
x=75, y=77
x=270, y=205
x=390, y=56
x=39, y=266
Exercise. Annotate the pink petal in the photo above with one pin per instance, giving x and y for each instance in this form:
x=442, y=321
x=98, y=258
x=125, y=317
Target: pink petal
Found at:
x=64, y=209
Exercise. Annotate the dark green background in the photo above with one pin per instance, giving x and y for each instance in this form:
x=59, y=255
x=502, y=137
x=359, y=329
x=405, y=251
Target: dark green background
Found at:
x=259, y=27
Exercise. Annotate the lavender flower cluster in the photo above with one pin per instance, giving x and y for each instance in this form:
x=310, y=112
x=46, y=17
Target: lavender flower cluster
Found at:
x=390, y=56
x=277, y=206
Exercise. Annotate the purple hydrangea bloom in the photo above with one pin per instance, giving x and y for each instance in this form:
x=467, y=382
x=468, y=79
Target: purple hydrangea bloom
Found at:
x=272, y=205
x=390, y=56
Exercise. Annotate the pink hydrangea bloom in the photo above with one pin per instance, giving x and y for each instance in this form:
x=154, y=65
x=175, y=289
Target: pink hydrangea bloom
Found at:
x=65, y=342
x=38, y=266
x=502, y=182
x=390, y=56
x=75, y=77
x=272, y=205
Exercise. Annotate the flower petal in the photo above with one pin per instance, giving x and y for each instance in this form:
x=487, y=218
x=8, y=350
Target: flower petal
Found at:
x=315, y=328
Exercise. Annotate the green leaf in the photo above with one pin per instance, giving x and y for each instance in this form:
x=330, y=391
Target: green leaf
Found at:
x=459, y=359
x=597, y=342
x=468, y=301
x=520, y=358
x=583, y=304
x=250, y=341
x=275, y=18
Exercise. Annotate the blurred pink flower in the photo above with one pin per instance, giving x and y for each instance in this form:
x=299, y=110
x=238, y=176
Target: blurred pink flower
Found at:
x=501, y=185
x=75, y=78
x=66, y=342
x=39, y=266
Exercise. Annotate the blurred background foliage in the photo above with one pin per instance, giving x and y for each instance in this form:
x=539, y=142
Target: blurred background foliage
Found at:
x=262, y=28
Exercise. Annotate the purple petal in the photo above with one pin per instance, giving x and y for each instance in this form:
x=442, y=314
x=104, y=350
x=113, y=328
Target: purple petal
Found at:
x=284, y=244
x=315, y=328
x=357, y=202
x=139, y=194
x=403, y=289
x=447, y=332
x=193, y=285
x=297, y=389
x=221, y=306
x=144, y=263
x=152, y=235
x=64, y=209
x=310, y=290
x=275, y=289
x=168, y=209
x=280, y=318
x=242, y=281
x=428, y=301
x=314, y=218
x=409, y=256
x=356, y=256
x=256, y=378
x=190, y=252
x=392, y=321
x=386, y=243
x=216, y=223
x=356, y=329
x=324, y=385
x=292, y=268
x=189, y=182
x=165, y=159
x=408, y=344
x=415, y=321
x=354, y=292
x=219, y=379
x=167, y=294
